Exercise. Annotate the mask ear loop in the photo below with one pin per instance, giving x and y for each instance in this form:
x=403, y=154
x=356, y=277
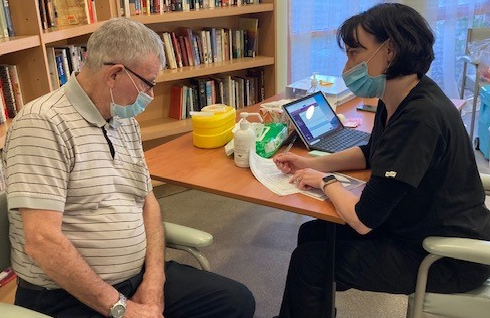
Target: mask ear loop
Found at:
x=379, y=48
x=135, y=86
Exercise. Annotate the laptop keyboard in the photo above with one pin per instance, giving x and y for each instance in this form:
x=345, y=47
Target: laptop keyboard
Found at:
x=341, y=140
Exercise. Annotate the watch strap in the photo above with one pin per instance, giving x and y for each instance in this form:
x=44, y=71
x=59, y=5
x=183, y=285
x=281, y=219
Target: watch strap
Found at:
x=119, y=308
x=328, y=179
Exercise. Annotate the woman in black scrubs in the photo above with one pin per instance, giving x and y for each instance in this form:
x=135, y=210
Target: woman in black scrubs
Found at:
x=424, y=178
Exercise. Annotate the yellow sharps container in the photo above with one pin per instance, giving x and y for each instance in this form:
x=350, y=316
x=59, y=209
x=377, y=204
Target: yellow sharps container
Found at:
x=212, y=126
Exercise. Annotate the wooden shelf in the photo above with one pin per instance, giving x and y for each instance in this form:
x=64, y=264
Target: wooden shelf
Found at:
x=213, y=68
x=62, y=33
x=18, y=43
x=163, y=127
x=28, y=52
x=203, y=14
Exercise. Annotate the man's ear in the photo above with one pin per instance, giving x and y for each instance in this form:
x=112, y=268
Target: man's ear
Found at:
x=111, y=72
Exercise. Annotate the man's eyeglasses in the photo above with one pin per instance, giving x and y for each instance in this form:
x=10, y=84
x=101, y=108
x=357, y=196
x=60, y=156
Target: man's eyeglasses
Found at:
x=147, y=82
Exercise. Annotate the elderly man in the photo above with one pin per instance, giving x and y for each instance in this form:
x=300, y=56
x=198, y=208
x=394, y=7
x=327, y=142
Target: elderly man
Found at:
x=86, y=229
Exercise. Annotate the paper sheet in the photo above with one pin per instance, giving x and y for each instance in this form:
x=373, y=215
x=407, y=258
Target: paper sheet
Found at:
x=266, y=172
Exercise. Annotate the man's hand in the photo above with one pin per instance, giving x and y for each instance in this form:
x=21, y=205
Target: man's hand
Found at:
x=149, y=293
x=136, y=310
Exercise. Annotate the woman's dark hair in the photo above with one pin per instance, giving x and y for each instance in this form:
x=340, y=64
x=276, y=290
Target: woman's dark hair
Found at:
x=408, y=31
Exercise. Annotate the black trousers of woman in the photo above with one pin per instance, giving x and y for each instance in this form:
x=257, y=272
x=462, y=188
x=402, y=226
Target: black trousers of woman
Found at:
x=372, y=262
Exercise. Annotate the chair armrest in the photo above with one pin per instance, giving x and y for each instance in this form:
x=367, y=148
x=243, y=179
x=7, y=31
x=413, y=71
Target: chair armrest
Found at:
x=485, y=180
x=469, y=60
x=477, y=251
x=12, y=311
x=186, y=236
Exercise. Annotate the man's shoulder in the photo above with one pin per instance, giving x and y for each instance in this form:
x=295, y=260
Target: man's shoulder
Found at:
x=46, y=104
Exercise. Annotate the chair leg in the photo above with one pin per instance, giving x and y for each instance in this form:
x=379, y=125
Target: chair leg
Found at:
x=203, y=261
x=415, y=311
x=475, y=100
x=463, y=81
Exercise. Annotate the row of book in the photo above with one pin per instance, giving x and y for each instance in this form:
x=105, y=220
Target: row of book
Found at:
x=185, y=47
x=57, y=13
x=129, y=8
x=64, y=60
x=11, y=100
x=235, y=91
x=6, y=26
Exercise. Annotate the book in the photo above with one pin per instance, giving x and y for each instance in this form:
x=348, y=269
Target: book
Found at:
x=251, y=26
x=60, y=69
x=4, y=32
x=53, y=72
x=8, y=91
x=177, y=50
x=71, y=12
x=14, y=77
x=8, y=18
x=176, y=101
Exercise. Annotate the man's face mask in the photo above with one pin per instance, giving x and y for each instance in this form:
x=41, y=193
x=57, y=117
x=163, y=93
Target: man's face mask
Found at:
x=133, y=109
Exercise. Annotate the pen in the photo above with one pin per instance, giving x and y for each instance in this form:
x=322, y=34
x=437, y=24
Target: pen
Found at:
x=290, y=144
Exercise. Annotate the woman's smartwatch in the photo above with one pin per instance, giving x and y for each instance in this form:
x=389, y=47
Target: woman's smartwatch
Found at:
x=328, y=179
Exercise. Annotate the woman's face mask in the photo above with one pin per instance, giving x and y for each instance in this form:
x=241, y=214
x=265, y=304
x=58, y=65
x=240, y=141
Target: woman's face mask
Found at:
x=358, y=80
x=133, y=109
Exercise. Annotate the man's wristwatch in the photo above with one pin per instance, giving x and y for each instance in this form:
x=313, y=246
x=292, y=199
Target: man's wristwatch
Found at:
x=119, y=309
x=328, y=179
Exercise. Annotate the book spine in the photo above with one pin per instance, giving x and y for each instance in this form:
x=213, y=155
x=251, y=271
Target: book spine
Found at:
x=8, y=91
x=60, y=68
x=3, y=24
x=8, y=17
x=14, y=77
x=178, y=52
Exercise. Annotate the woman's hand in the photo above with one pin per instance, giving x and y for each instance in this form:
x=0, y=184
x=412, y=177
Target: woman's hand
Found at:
x=289, y=162
x=307, y=178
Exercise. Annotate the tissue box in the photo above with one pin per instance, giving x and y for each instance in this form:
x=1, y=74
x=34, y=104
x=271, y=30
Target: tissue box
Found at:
x=213, y=131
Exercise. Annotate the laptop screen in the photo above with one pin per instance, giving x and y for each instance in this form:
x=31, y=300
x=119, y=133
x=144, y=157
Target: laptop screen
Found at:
x=313, y=116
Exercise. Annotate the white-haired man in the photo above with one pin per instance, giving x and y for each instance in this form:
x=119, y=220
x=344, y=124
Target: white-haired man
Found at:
x=86, y=229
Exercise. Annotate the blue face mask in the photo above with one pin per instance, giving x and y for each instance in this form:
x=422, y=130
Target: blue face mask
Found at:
x=135, y=108
x=361, y=83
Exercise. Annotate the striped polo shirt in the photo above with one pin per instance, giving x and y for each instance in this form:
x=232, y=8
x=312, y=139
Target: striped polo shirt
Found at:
x=58, y=157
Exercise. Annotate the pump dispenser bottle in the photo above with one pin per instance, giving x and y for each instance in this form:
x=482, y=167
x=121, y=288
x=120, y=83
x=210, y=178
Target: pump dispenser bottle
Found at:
x=244, y=140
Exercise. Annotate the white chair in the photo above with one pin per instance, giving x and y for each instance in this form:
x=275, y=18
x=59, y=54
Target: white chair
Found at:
x=468, y=81
x=176, y=236
x=472, y=304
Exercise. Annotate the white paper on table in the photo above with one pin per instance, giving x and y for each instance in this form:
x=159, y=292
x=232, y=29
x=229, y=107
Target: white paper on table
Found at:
x=267, y=173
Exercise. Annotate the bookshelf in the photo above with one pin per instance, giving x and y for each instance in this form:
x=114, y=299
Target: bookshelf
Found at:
x=28, y=51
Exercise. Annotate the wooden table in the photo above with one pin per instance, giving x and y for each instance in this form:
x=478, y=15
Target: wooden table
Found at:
x=210, y=170
x=179, y=162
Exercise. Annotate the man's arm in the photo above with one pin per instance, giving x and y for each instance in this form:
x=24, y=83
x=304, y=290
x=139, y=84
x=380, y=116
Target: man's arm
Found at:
x=60, y=260
x=151, y=289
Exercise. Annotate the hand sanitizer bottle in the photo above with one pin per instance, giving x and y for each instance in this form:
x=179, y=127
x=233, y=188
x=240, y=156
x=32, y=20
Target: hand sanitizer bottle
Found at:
x=244, y=141
x=313, y=84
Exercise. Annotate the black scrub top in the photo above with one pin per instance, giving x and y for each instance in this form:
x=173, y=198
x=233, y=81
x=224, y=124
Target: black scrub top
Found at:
x=425, y=145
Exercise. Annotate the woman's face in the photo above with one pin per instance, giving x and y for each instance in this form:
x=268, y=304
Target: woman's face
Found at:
x=378, y=61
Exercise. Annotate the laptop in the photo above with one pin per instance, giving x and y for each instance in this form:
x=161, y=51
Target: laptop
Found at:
x=319, y=126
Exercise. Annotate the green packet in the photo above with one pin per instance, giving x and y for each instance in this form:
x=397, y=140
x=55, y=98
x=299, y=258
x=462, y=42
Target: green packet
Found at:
x=271, y=139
